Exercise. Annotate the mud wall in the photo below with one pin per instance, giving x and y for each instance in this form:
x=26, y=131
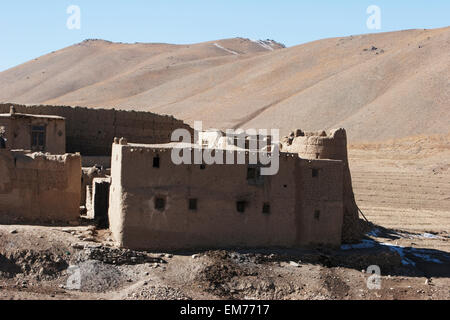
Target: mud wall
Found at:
x=37, y=188
x=320, y=197
x=320, y=145
x=277, y=212
x=92, y=131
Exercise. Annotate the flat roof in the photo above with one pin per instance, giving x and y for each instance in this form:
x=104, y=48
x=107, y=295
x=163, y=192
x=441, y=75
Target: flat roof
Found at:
x=170, y=145
x=25, y=115
x=184, y=145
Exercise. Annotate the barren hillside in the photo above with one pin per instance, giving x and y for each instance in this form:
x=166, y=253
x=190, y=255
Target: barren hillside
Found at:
x=378, y=86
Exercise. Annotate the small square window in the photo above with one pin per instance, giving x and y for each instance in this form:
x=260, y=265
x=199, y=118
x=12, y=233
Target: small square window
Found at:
x=315, y=173
x=160, y=204
x=156, y=162
x=252, y=173
x=193, y=204
x=266, y=208
x=254, y=176
x=240, y=206
x=317, y=214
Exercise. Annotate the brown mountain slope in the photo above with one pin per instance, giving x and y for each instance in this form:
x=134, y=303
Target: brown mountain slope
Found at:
x=378, y=86
x=96, y=71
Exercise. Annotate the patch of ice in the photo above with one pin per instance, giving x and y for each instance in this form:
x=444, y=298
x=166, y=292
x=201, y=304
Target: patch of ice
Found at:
x=374, y=233
x=427, y=257
x=430, y=236
x=227, y=50
x=365, y=244
x=401, y=252
x=421, y=253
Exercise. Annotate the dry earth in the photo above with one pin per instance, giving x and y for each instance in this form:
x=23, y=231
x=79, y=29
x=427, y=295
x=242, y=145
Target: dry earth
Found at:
x=404, y=183
x=402, y=186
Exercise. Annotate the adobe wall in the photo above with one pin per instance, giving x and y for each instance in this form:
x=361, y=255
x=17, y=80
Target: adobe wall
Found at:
x=320, y=196
x=320, y=145
x=91, y=131
x=96, y=161
x=38, y=188
x=18, y=132
x=136, y=224
x=87, y=177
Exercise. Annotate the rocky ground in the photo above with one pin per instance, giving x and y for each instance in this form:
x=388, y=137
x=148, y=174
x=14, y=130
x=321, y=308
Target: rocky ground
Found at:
x=406, y=198
x=53, y=263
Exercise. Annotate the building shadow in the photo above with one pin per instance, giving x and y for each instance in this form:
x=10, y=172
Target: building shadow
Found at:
x=394, y=260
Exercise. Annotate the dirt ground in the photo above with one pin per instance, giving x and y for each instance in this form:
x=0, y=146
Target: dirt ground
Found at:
x=403, y=191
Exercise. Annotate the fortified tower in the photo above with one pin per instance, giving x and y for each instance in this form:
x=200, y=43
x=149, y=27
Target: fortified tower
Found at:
x=320, y=145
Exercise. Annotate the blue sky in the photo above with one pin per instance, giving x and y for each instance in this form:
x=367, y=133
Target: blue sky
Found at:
x=32, y=28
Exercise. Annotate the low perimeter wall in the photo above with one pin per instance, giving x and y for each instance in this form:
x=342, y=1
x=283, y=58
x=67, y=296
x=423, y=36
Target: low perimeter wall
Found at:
x=38, y=188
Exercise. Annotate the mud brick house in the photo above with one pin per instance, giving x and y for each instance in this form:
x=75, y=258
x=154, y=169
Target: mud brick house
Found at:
x=42, y=133
x=157, y=205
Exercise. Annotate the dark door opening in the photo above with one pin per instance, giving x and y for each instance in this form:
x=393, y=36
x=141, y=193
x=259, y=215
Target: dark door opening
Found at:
x=101, y=204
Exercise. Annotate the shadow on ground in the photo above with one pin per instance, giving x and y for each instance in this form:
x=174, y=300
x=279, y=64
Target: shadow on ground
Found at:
x=392, y=259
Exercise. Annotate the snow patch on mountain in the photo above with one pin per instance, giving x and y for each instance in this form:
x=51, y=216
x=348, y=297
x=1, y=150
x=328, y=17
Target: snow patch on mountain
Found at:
x=227, y=50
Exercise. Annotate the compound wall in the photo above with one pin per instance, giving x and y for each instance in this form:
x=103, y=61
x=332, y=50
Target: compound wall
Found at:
x=92, y=131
